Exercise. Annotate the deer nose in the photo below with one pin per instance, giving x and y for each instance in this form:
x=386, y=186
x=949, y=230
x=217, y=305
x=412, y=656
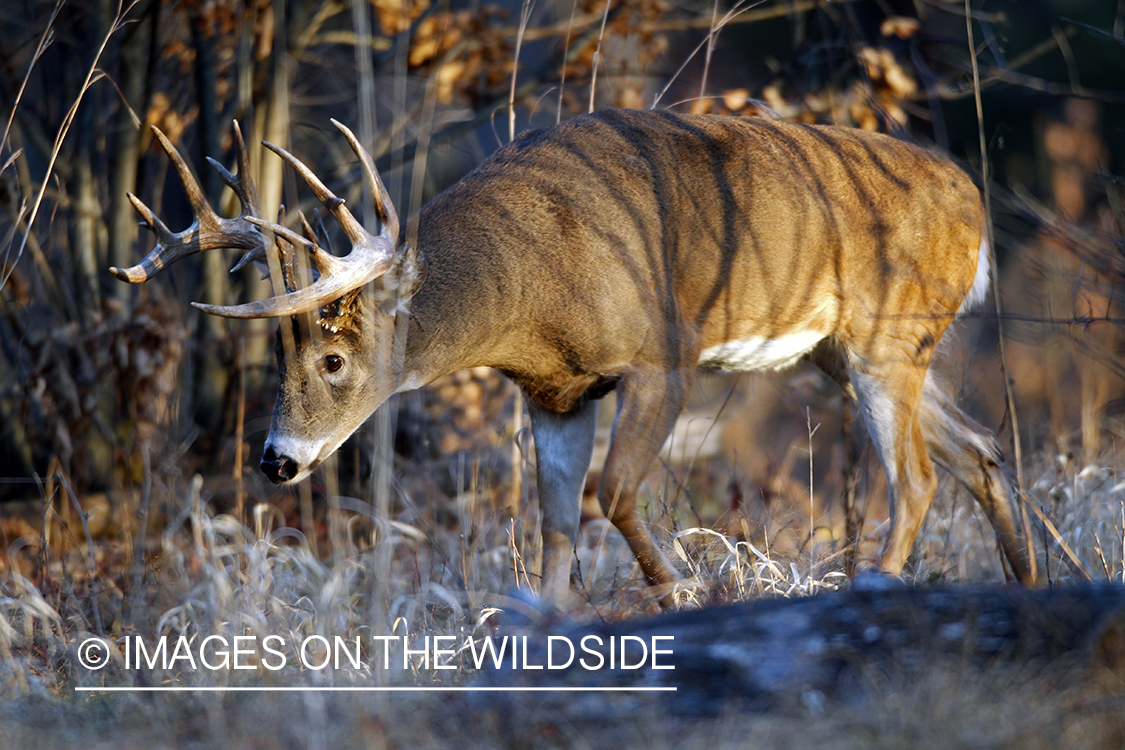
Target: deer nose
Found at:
x=277, y=467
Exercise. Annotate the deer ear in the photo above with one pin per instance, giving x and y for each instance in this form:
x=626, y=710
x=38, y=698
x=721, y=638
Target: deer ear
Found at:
x=410, y=270
x=401, y=281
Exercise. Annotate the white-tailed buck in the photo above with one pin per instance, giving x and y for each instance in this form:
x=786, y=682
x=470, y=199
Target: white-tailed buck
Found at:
x=620, y=251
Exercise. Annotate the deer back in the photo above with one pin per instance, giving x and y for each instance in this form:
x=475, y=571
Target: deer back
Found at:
x=626, y=236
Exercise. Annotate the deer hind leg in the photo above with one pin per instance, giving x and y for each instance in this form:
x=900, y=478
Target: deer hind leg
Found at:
x=563, y=446
x=648, y=402
x=970, y=453
x=890, y=397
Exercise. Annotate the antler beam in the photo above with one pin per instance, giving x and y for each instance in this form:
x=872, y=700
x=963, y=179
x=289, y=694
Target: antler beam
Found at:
x=208, y=231
x=370, y=257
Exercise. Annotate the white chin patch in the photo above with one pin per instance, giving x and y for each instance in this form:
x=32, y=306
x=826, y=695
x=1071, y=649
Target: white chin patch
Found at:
x=301, y=475
x=410, y=381
x=305, y=454
x=759, y=352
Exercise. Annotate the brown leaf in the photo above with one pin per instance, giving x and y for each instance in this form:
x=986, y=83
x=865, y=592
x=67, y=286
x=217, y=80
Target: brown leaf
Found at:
x=900, y=26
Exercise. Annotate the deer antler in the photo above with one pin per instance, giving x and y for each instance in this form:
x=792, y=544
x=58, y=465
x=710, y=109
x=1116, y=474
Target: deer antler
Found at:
x=384, y=209
x=209, y=230
x=370, y=256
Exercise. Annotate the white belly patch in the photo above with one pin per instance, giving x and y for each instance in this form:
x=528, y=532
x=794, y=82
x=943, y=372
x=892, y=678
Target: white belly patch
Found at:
x=760, y=353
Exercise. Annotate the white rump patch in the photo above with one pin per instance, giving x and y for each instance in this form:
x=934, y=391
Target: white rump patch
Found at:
x=979, y=289
x=759, y=352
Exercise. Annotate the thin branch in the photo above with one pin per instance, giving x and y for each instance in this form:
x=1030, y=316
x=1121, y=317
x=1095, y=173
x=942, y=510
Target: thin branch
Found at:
x=562, y=71
x=1017, y=450
x=91, y=561
x=598, y=55
x=92, y=77
x=731, y=16
x=44, y=42
x=525, y=16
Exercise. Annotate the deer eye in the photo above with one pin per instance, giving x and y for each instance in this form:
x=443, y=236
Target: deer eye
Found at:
x=333, y=362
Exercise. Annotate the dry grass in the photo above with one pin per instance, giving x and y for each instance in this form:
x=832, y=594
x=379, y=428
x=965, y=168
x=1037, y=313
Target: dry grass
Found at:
x=215, y=575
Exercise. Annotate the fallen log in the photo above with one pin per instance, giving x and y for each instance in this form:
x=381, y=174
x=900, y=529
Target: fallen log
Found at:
x=846, y=646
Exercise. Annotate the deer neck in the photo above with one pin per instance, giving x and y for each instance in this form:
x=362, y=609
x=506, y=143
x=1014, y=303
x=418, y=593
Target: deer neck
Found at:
x=453, y=321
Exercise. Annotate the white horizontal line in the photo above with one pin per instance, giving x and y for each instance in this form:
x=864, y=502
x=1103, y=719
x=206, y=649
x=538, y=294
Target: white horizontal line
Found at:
x=352, y=689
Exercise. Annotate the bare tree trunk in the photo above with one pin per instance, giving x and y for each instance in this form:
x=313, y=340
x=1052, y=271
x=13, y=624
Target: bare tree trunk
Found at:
x=86, y=220
x=213, y=366
x=133, y=73
x=256, y=340
x=272, y=121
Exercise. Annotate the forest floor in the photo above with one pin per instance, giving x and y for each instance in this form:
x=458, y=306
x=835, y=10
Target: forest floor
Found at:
x=214, y=588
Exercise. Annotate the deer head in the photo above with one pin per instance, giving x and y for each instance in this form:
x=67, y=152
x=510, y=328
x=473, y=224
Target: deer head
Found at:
x=336, y=345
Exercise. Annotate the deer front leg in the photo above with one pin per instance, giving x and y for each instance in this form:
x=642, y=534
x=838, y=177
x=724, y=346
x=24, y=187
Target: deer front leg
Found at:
x=563, y=446
x=648, y=402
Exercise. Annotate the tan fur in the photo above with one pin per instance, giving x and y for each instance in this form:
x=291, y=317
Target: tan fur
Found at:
x=615, y=249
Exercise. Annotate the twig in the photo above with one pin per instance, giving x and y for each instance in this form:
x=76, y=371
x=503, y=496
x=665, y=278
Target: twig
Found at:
x=1017, y=450
x=711, y=39
x=729, y=17
x=562, y=68
x=850, y=546
x=525, y=16
x=140, y=541
x=812, y=497
x=403, y=155
x=94, y=587
x=1057, y=537
x=598, y=55
x=92, y=77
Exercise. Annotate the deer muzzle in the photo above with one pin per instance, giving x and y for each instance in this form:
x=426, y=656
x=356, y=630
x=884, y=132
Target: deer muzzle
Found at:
x=279, y=468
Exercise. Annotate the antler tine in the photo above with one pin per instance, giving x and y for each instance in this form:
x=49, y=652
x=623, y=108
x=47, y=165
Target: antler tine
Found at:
x=155, y=261
x=208, y=230
x=309, y=231
x=384, y=208
x=370, y=256
x=202, y=210
x=247, y=192
x=243, y=183
x=326, y=263
x=338, y=276
x=282, y=232
x=351, y=226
